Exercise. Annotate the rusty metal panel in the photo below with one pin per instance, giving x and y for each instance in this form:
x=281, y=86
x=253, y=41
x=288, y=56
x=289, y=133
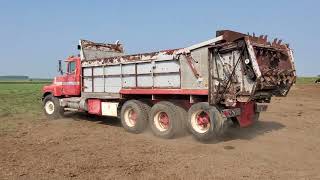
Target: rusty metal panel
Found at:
x=167, y=81
x=145, y=80
x=166, y=74
x=230, y=79
x=166, y=66
x=87, y=84
x=260, y=69
x=112, y=84
x=98, y=84
x=113, y=70
x=200, y=62
x=87, y=71
x=145, y=68
x=128, y=69
x=90, y=50
x=134, y=58
x=129, y=81
x=98, y=71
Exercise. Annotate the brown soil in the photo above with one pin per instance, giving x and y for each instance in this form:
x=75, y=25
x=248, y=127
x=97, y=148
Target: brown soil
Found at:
x=284, y=144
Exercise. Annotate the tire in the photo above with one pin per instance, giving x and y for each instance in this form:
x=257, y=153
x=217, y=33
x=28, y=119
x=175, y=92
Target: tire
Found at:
x=134, y=116
x=205, y=122
x=52, y=108
x=183, y=120
x=146, y=108
x=165, y=120
x=182, y=114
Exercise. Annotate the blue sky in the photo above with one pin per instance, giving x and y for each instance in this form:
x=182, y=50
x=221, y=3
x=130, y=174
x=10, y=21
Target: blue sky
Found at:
x=35, y=34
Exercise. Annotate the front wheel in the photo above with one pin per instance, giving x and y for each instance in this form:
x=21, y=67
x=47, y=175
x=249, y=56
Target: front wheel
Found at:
x=52, y=108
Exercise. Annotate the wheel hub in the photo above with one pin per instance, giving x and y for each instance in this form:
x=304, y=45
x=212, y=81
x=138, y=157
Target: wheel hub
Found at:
x=203, y=119
x=200, y=121
x=131, y=117
x=49, y=107
x=162, y=121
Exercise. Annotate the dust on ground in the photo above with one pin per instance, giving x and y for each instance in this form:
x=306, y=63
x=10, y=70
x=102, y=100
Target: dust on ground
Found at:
x=284, y=144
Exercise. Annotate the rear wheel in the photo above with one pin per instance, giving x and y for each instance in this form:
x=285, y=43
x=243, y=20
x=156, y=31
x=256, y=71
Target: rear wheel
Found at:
x=165, y=120
x=134, y=116
x=52, y=108
x=205, y=121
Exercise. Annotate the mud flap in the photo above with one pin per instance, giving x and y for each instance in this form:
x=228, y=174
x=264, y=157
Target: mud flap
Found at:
x=245, y=119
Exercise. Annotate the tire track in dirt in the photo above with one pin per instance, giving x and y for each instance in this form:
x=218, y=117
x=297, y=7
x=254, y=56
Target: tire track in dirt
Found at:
x=284, y=144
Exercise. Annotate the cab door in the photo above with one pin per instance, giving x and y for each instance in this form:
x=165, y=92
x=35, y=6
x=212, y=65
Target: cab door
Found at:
x=71, y=86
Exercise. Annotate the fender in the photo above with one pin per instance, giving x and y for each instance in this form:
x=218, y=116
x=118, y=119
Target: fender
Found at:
x=53, y=89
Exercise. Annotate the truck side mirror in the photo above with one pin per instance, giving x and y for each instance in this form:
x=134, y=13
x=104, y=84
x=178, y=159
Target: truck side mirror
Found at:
x=60, y=67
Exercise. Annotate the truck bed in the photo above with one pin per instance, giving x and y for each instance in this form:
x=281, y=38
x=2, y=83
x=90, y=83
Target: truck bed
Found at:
x=166, y=70
x=232, y=67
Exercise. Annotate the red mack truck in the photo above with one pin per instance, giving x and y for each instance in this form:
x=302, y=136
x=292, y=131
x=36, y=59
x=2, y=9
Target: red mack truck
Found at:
x=201, y=89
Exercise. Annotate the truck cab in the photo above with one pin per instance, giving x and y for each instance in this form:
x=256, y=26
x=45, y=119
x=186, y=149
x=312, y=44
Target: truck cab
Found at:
x=69, y=82
x=65, y=90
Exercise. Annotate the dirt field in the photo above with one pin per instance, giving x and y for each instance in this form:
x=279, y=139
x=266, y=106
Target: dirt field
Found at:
x=285, y=144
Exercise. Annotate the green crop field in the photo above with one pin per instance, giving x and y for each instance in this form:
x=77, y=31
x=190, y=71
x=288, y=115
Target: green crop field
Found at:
x=24, y=97
x=20, y=98
x=307, y=80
